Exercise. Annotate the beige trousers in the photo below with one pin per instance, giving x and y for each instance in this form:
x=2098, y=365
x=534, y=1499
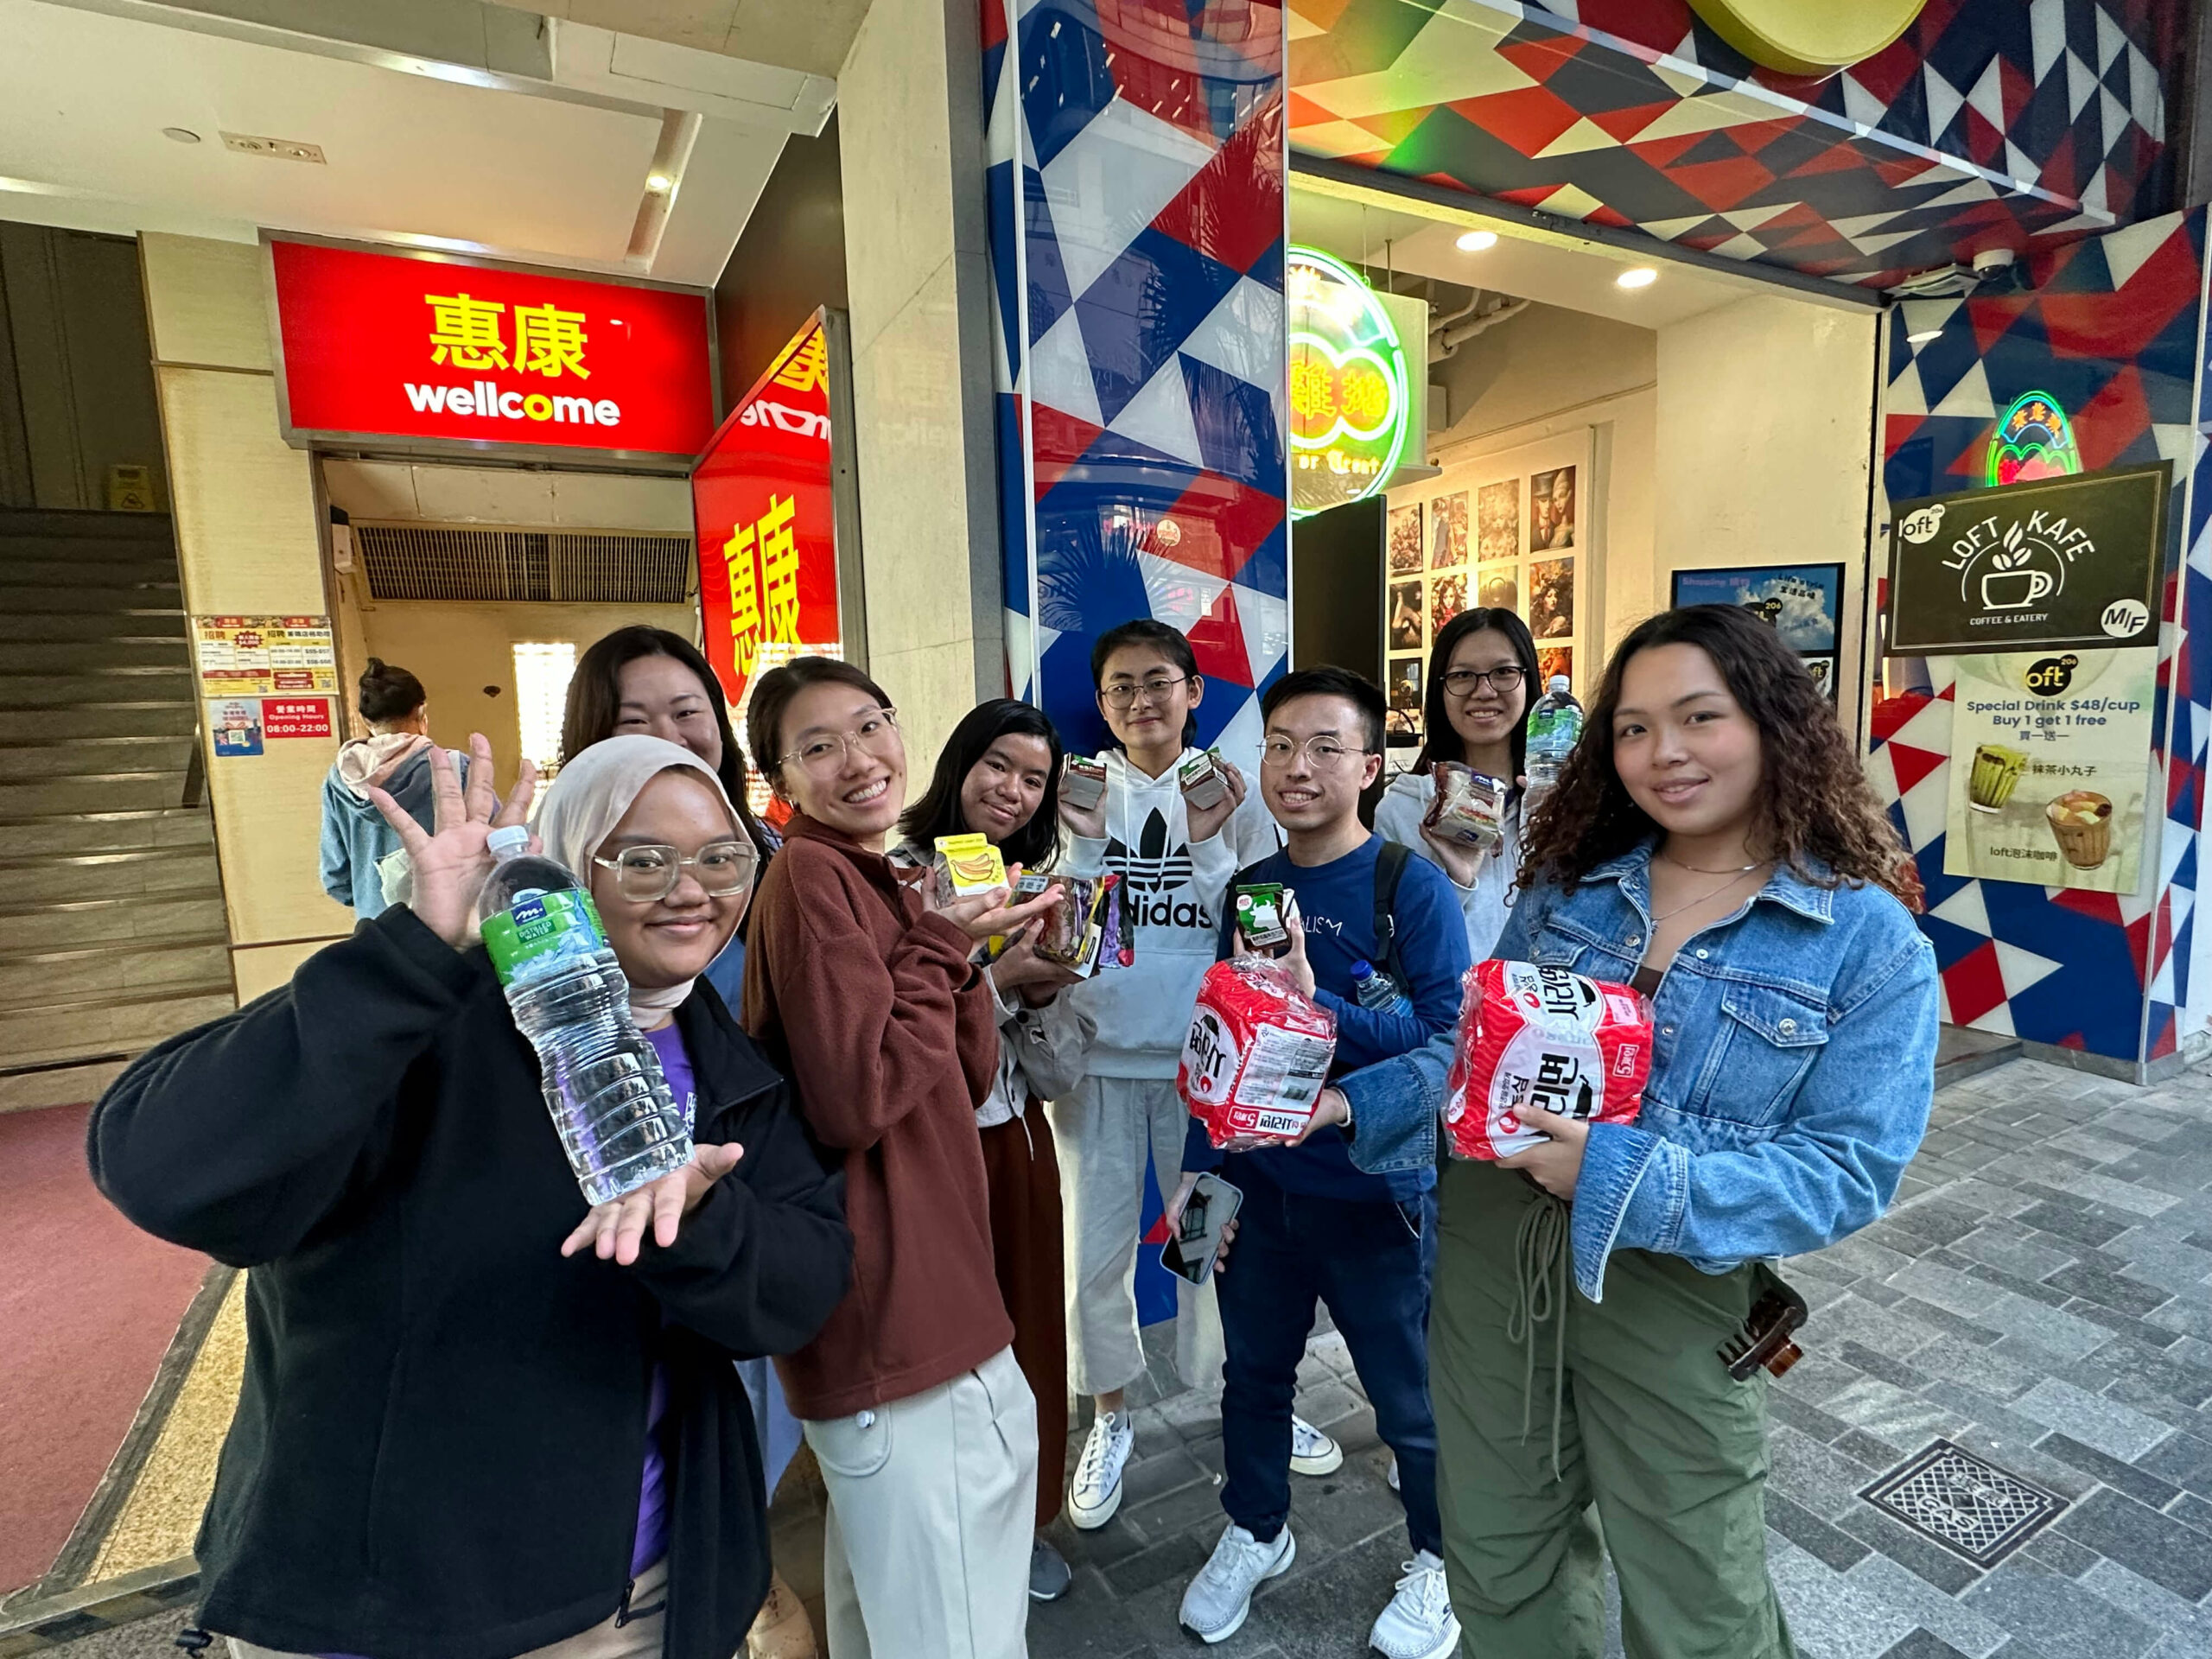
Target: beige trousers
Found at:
x=1104, y=1130
x=933, y=1501
x=638, y=1639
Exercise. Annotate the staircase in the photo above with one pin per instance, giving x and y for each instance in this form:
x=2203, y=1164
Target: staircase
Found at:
x=113, y=933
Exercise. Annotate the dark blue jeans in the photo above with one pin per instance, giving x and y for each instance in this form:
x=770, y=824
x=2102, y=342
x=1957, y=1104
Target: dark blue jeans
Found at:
x=1368, y=1262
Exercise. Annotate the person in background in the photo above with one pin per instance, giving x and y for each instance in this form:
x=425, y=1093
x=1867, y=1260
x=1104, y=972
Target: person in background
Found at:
x=914, y=1403
x=999, y=775
x=643, y=679
x=396, y=757
x=1176, y=861
x=481, y=1416
x=1482, y=679
x=1713, y=841
x=1312, y=1226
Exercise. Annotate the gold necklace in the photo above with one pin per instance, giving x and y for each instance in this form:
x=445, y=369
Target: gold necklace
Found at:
x=1703, y=897
x=1699, y=869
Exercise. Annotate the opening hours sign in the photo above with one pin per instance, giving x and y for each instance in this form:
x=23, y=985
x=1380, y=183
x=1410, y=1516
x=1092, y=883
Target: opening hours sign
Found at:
x=765, y=510
x=440, y=353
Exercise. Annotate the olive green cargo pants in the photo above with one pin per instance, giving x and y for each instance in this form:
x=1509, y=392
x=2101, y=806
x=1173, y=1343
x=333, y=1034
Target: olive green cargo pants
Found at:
x=1657, y=1444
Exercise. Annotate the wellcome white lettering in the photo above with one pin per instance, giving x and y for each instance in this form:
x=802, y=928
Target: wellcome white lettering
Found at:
x=485, y=401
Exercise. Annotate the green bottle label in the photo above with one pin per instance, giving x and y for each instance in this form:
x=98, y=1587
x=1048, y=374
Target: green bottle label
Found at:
x=543, y=925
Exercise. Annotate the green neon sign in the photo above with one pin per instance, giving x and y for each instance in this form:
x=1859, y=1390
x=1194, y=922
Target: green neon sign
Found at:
x=1347, y=385
x=2033, y=439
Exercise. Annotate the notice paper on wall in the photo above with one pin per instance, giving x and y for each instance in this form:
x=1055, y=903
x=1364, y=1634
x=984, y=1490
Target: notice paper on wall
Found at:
x=239, y=726
x=251, y=656
x=2050, y=767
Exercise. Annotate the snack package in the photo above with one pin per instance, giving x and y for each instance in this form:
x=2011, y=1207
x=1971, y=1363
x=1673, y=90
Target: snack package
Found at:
x=1257, y=1053
x=1263, y=913
x=1467, y=808
x=1200, y=779
x=1117, y=940
x=965, y=865
x=1083, y=782
x=1535, y=1040
x=1083, y=931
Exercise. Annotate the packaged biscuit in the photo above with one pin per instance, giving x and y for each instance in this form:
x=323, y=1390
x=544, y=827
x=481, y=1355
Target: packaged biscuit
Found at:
x=965, y=865
x=1467, y=808
x=1258, y=1052
x=1084, y=931
x=1083, y=782
x=1263, y=913
x=1201, y=781
x=1542, y=1039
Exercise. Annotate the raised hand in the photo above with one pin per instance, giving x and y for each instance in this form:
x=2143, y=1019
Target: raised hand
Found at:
x=987, y=915
x=1206, y=824
x=450, y=864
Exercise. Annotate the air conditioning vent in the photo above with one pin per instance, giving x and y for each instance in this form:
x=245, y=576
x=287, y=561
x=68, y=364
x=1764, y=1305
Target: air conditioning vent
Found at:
x=583, y=567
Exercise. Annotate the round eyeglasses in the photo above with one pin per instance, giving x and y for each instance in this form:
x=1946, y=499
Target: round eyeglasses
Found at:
x=1322, y=753
x=822, y=755
x=1154, y=688
x=1462, y=682
x=648, y=873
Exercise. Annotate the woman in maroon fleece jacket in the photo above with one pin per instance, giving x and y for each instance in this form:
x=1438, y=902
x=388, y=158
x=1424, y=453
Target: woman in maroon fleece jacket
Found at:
x=917, y=1412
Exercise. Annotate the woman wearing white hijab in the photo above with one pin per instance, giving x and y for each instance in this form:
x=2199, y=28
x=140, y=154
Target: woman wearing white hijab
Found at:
x=481, y=1420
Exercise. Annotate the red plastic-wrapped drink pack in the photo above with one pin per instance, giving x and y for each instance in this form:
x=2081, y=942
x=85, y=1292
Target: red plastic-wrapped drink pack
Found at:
x=1533, y=1039
x=1257, y=1054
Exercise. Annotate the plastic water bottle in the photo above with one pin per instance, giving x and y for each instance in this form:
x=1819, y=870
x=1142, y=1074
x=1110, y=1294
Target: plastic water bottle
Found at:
x=620, y=1125
x=1377, y=991
x=1554, y=728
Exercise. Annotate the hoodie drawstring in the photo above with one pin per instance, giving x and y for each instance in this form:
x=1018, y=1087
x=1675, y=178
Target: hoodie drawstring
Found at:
x=1540, y=1294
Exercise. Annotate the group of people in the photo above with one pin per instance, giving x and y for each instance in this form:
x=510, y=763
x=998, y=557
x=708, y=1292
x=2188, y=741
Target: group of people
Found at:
x=481, y=1421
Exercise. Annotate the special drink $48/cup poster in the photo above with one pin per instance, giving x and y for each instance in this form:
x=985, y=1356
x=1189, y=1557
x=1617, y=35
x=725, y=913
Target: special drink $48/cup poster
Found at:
x=2050, y=767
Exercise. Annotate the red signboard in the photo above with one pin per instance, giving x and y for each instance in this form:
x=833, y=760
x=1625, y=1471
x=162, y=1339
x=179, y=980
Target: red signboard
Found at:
x=767, y=532
x=395, y=346
x=295, y=717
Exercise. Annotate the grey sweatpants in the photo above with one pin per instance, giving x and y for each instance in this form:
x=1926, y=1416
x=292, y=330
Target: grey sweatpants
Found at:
x=1104, y=1130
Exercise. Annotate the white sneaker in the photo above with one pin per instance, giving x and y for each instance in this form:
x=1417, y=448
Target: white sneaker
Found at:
x=1419, y=1624
x=1219, y=1598
x=1393, y=1476
x=1312, y=1453
x=1095, y=1493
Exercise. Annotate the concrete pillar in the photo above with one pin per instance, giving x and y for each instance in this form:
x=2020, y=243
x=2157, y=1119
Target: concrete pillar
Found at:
x=910, y=126
x=248, y=543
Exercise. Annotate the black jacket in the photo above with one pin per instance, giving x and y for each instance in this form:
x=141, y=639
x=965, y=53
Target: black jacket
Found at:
x=439, y=1446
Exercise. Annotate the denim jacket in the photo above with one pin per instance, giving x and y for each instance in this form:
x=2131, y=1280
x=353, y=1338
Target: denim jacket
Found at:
x=1790, y=1081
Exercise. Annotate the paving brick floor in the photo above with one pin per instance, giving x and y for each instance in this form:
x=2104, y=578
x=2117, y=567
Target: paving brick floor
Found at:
x=2040, y=1295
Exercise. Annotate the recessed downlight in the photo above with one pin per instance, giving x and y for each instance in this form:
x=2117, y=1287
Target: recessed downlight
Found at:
x=180, y=135
x=1475, y=241
x=1920, y=337
x=1636, y=277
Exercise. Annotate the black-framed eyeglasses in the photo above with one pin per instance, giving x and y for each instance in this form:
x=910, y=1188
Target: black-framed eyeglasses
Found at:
x=1462, y=682
x=648, y=873
x=1152, y=688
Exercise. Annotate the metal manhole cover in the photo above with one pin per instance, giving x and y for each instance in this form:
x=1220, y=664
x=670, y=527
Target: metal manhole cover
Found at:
x=1968, y=1505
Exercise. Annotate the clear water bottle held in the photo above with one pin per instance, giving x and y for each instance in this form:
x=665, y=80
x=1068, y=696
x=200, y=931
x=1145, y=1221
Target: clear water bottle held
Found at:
x=618, y=1122
x=1554, y=728
x=1377, y=991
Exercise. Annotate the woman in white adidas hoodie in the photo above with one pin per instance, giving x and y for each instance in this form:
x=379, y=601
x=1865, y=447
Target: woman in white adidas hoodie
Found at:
x=1474, y=716
x=1177, y=863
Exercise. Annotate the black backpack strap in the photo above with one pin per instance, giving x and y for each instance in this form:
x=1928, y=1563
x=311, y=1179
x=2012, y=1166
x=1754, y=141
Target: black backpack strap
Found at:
x=1390, y=867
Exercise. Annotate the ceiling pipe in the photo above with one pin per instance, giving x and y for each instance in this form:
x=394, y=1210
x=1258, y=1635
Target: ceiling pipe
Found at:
x=1444, y=341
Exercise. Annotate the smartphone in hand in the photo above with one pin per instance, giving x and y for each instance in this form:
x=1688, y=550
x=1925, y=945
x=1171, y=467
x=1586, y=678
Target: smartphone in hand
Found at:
x=1197, y=1244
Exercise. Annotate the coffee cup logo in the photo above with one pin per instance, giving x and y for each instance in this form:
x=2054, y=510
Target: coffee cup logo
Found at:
x=2013, y=591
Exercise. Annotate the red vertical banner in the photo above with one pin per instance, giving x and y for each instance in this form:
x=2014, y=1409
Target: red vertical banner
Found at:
x=762, y=505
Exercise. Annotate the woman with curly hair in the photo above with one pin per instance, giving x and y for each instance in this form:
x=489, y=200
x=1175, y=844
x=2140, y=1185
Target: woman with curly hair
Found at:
x=1711, y=842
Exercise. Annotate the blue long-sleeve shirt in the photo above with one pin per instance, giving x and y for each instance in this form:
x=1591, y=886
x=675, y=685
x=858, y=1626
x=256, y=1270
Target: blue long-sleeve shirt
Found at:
x=1337, y=901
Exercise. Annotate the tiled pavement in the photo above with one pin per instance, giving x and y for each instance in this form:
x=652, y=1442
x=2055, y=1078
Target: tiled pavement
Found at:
x=2042, y=1295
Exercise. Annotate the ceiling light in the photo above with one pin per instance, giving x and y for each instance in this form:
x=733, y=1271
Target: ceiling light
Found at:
x=1475, y=241
x=180, y=135
x=1636, y=277
x=1920, y=337
x=657, y=182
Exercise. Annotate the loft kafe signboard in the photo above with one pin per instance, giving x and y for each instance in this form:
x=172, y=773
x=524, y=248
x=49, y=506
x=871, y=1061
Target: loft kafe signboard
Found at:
x=2056, y=562
x=422, y=353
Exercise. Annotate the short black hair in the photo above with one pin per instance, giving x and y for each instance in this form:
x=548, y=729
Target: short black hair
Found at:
x=1439, y=740
x=1330, y=681
x=938, y=813
x=389, y=693
x=774, y=692
x=1168, y=642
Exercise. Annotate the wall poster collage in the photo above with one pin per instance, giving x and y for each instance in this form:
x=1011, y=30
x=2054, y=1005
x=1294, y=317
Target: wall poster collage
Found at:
x=1505, y=532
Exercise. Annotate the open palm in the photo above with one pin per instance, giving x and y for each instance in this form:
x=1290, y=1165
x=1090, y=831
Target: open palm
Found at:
x=449, y=864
